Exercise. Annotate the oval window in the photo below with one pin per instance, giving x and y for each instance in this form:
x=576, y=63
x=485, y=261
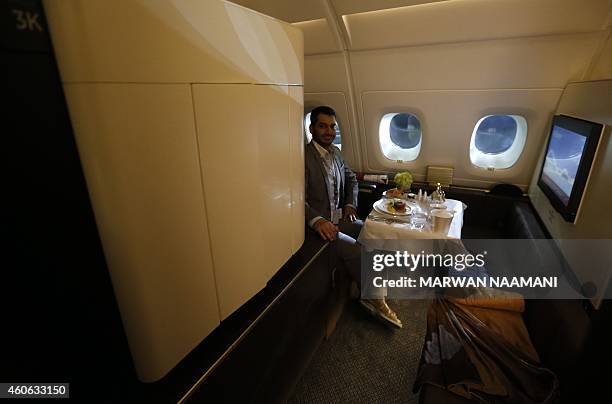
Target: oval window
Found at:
x=496, y=134
x=400, y=136
x=498, y=140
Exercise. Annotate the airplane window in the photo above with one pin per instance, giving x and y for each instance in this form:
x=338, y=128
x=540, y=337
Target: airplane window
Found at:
x=400, y=136
x=495, y=134
x=498, y=141
x=337, y=140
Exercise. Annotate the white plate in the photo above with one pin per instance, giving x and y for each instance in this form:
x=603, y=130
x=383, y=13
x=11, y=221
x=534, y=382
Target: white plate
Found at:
x=381, y=206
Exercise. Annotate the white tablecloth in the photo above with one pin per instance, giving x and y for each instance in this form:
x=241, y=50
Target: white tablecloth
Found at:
x=374, y=233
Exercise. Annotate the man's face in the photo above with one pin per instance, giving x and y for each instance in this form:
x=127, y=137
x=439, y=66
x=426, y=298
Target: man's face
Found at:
x=324, y=130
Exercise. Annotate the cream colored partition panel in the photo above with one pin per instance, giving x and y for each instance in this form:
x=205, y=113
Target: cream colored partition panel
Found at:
x=245, y=149
x=192, y=224
x=138, y=148
x=172, y=41
x=296, y=162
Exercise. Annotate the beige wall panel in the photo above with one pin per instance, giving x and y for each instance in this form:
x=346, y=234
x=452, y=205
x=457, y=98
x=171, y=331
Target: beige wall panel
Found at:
x=472, y=20
x=273, y=110
x=338, y=102
x=325, y=73
x=344, y=7
x=296, y=161
x=448, y=119
x=603, y=66
x=518, y=63
x=591, y=101
x=243, y=133
x=291, y=11
x=318, y=37
x=162, y=41
x=139, y=152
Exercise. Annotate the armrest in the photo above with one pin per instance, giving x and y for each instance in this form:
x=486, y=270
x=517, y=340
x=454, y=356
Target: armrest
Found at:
x=367, y=187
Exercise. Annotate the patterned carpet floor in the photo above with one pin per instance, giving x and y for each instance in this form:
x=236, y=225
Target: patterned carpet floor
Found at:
x=365, y=361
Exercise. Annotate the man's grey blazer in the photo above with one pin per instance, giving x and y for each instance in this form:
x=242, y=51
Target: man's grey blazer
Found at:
x=316, y=184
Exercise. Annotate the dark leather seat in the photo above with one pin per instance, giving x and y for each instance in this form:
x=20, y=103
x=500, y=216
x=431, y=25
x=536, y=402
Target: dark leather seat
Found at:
x=506, y=190
x=523, y=223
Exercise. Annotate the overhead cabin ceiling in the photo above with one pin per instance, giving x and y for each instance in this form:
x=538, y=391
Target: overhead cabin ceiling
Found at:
x=472, y=20
x=289, y=11
x=380, y=24
x=305, y=10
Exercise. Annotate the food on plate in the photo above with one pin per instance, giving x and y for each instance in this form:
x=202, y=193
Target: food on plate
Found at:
x=394, y=193
x=396, y=205
x=399, y=205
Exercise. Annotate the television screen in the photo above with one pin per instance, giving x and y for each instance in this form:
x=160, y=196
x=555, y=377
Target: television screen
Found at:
x=567, y=163
x=562, y=160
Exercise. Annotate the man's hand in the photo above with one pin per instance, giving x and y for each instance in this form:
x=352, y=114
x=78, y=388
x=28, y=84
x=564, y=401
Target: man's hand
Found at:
x=349, y=213
x=326, y=229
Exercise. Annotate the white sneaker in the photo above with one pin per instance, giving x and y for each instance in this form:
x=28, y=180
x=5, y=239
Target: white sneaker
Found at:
x=380, y=309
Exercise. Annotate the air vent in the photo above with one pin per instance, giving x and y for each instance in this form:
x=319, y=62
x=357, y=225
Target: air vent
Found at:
x=443, y=175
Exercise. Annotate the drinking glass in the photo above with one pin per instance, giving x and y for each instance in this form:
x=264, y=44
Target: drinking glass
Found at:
x=418, y=220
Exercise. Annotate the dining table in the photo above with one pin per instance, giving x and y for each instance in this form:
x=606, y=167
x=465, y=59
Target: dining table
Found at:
x=381, y=229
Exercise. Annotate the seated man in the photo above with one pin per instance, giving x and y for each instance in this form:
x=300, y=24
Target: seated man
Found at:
x=331, y=200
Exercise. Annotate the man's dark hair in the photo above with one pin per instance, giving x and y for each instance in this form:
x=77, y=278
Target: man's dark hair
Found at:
x=314, y=114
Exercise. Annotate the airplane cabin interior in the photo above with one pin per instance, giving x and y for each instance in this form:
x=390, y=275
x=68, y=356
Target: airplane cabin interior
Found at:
x=166, y=217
